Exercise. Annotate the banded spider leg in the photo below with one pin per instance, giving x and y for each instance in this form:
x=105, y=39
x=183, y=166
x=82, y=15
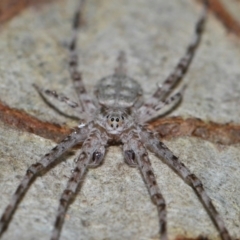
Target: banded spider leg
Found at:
x=162, y=151
x=77, y=136
x=161, y=98
x=92, y=154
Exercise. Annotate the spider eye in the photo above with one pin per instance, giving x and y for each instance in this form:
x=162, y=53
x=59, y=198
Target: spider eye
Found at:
x=115, y=121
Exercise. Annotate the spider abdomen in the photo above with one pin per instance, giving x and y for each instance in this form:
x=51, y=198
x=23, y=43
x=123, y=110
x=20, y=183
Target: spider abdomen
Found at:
x=117, y=90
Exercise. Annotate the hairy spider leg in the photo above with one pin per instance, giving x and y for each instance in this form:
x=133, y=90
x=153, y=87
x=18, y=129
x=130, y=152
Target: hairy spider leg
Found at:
x=76, y=76
x=93, y=150
x=162, y=151
x=167, y=105
x=175, y=77
x=59, y=96
x=35, y=169
x=132, y=143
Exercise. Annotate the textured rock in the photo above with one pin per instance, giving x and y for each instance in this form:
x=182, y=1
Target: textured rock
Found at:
x=113, y=202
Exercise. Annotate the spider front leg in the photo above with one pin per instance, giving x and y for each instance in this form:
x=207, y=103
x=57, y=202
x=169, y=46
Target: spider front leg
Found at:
x=136, y=155
x=91, y=155
x=35, y=169
x=162, y=151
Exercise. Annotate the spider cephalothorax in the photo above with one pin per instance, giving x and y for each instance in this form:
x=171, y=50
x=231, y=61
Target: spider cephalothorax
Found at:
x=118, y=115
x=117, y=120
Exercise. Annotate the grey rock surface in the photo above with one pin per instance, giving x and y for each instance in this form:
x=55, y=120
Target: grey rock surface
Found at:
x=113, y=202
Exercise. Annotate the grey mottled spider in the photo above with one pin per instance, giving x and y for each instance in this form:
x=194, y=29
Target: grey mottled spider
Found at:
x=118, y=115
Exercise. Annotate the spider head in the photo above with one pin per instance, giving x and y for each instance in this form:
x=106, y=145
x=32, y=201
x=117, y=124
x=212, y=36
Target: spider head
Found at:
x=115, y=121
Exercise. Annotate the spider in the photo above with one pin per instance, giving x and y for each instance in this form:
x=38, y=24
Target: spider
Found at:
x=118, y=115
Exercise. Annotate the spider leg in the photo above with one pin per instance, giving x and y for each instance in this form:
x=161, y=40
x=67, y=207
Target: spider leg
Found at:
x=175, y=77
x=84, y=99
x=167, y=105
x=134, y=148
x=35, y=169
x=61, y=97
x=162, y=151
x=182, y=67
x=129, y=158
x=171, y=101
x=96, y=160
x=93, y=150
x=121, y=69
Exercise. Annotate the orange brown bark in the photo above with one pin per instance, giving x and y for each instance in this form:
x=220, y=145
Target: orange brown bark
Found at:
x=226, y=134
